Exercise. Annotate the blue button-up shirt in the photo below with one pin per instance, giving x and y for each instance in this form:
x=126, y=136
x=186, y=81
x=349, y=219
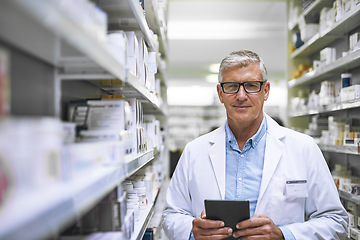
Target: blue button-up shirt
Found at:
x=244, y=168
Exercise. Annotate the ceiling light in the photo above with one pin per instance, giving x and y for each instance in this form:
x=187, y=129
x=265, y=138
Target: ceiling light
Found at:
x=223, y=29
x=212, y=78
x=214, y=68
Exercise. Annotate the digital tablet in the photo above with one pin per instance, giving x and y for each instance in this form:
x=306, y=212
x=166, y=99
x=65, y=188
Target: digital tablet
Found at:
x=229, y=211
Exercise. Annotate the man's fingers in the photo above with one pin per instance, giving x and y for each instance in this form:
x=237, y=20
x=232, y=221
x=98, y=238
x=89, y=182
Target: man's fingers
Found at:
x=255, y=221
x=218, y=232
x=207, y=223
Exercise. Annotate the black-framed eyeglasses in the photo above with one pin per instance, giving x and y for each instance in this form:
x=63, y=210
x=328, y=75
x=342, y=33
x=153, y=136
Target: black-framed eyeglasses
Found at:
x=249, y=87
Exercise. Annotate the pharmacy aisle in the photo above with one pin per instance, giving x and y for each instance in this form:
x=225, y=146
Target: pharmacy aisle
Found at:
x=83, y=148
x=324, y=87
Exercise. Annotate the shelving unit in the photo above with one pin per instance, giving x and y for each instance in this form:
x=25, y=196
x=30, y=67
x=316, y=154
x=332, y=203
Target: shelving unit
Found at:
x=63, y=202
x=347, y=61
x=340, y=149
x=56, y=59
x=327, y=109
x=339, y=30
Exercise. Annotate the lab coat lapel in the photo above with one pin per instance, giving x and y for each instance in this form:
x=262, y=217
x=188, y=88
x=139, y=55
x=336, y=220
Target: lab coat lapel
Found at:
x=273, y=151
x=217, y=158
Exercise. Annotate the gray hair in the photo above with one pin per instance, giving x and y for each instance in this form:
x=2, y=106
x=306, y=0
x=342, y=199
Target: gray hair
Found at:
x=241, y=59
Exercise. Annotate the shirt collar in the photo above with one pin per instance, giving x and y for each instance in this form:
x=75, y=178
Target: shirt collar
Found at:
x=253, y=141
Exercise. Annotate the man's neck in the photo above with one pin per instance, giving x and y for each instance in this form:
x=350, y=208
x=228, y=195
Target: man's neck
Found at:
x=243, y=131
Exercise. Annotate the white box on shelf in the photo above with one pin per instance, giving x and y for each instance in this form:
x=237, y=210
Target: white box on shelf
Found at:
x=133, y=53
x=316, y=65
x=152, y=70
x=152, y=127
x=80, y=158
x=350, y=93
x=307, y=30
x=327, y=55
x=108, y=114
x=117, y=44
x=327, y=18
x=136, y=128
x=354, y=39
x=143, y=57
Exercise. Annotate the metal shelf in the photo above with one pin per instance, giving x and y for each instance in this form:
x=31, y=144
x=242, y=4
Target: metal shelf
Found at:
x=44, y=213
x=350, y=197
x=152, y=19
x=128, y=10
x=340, y=149
x=145, y=219
x=55, y=25
x=311, y=12
x=327, y=109
x=347, y=63
x=339, y=30
x=59, y=25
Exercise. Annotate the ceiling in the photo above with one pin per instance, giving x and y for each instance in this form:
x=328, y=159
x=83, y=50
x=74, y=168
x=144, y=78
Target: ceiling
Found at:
x=201, y=33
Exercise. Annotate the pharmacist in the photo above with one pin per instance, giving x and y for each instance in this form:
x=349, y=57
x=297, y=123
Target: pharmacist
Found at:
x=281, y=172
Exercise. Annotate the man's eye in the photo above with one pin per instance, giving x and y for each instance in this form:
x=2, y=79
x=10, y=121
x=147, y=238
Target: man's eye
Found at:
x=252, y=85
x=233, y=85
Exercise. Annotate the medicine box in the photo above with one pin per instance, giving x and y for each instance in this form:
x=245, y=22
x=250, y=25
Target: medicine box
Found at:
x=353, y=40
x=143, y=59
x=350, y=93
x=307, y=30
x=117, y=45
x=133, y=53
x=107, y=114
x=327, y=55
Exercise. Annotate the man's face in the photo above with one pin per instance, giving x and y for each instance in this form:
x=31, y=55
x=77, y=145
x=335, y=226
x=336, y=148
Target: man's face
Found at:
x=243, y=107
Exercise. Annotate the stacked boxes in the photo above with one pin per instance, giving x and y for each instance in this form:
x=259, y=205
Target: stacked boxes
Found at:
x=327, y=18
x=344, y=6
x=109, y=120
x=316, y=126
x=340, y=132
x=307, y=30
x=344, y=181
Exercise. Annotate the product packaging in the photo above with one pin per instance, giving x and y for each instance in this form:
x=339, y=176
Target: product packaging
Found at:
x=346, y=79
x=133, y=53
x=117, y=45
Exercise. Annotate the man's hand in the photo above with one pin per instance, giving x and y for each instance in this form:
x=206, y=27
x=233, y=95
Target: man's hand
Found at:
x=258, y=227
x=209, y=229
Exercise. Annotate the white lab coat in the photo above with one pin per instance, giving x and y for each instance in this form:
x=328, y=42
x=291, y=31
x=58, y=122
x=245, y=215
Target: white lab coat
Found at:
x=289, y=155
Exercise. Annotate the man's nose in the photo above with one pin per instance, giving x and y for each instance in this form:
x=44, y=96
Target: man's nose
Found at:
x=241, y=93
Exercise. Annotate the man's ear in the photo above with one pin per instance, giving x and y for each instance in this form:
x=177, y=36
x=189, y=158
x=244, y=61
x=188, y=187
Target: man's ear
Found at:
x=219, y=91
x=266, y=90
